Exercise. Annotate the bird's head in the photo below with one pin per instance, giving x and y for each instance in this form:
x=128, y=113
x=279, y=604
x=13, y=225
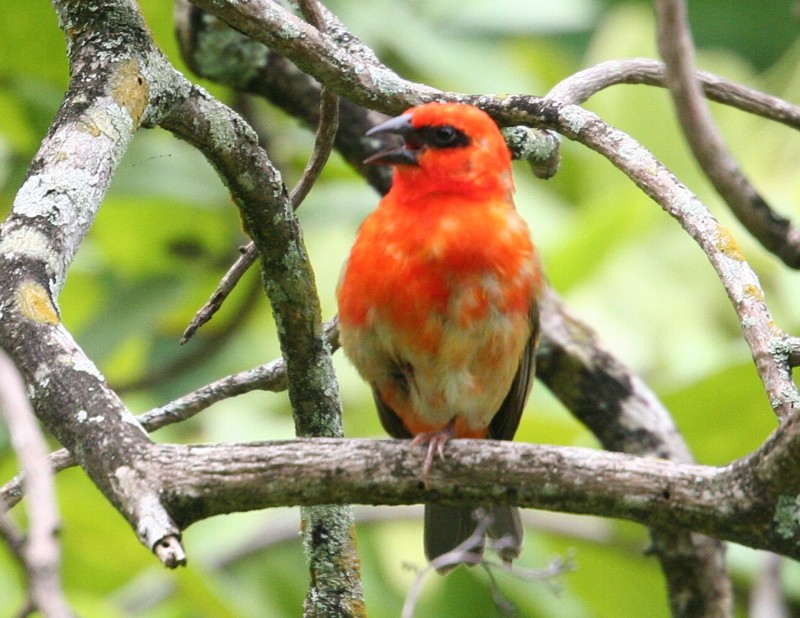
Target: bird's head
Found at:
x=447, y=147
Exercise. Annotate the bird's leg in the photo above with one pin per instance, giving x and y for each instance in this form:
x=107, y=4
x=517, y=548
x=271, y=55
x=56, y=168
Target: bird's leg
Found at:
x=435, y=441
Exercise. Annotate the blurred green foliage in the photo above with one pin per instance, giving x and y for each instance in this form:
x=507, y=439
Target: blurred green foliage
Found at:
x=167, y=231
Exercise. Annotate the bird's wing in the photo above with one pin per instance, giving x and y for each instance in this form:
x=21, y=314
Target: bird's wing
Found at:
x=391, y=422
x=505, y=422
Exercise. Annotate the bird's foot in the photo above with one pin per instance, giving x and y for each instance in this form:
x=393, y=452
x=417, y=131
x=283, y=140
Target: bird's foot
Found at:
x=435, y=441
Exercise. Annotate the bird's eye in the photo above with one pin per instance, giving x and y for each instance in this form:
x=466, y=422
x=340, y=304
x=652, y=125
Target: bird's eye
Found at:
x=443, y=136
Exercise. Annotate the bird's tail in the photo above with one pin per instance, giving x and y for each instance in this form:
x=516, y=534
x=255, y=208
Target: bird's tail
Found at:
x=448, y=527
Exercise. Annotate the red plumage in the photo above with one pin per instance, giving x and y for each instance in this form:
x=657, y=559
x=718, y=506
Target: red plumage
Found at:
x=438, y=299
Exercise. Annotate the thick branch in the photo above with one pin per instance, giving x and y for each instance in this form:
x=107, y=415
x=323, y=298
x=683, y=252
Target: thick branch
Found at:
x=108, y=98
x=350, y=75
x=208, y=480
x=626, y=416
x=232, y=148
x=327, y=125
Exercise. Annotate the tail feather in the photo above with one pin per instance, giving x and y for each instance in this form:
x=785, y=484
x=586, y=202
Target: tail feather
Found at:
x=447, y=527
x=506, y=525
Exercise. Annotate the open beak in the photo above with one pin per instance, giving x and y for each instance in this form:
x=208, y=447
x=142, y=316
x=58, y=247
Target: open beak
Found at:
x=399, y=155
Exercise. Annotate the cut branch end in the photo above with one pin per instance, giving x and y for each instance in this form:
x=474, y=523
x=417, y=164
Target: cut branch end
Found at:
x=170, y=551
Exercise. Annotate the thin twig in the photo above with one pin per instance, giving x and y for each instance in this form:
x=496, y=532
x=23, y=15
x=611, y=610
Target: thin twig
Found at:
x=326, y=131
x=268, y=377
x=11, y=534
x=210, y=345
x=248, y=256
x=767, y=598
x=40, y=550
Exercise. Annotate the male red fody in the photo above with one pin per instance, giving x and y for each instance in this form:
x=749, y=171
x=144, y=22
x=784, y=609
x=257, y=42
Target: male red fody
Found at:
x=438, y=300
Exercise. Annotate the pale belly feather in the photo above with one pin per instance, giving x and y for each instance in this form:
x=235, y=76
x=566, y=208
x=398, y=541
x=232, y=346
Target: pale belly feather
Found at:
x=466, y=374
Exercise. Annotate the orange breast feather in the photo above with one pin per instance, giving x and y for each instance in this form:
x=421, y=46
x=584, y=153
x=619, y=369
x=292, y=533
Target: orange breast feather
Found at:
x=447, y=290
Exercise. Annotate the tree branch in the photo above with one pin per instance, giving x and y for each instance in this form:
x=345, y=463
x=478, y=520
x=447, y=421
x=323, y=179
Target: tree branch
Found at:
x=581, y=86
x=39, y=551
x=326, y=130
x=268, y=377
x=108, y=99
x=232, y=148
x=675, y=44
x=203, y=350
x=209, y=480
x=347, y=71
x=626, y=416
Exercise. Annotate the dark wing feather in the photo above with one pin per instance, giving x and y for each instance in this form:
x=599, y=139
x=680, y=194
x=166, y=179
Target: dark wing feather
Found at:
x=506, y=522
x=505, y=422
x=402, y=373
x=390, y=421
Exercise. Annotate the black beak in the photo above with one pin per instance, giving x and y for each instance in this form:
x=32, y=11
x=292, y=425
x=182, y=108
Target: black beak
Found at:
x=399, y=155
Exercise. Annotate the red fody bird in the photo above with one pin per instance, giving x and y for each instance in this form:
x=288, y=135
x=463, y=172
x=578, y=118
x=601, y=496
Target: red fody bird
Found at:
x=438, y=300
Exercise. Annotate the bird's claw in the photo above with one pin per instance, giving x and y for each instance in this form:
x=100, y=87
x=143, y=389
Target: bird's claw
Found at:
x=436, y=441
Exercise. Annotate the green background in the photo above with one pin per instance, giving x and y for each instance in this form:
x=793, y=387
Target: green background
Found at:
x=168, y=230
